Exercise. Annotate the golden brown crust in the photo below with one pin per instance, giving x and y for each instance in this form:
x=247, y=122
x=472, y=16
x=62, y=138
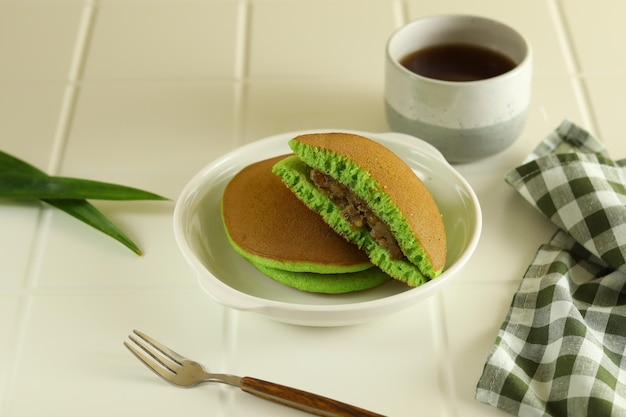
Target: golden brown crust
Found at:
x=403, y=186
x=265, y=219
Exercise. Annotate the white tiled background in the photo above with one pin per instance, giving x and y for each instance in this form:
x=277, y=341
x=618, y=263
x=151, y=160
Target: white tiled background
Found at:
x=146, y=92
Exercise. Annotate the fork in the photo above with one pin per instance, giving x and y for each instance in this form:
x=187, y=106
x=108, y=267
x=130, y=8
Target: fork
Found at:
x=182, y=372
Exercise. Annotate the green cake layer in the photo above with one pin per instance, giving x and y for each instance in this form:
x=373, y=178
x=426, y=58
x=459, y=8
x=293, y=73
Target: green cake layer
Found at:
x=326, y=283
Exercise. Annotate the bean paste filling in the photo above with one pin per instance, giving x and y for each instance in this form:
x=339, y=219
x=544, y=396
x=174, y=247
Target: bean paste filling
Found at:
x=357, y=212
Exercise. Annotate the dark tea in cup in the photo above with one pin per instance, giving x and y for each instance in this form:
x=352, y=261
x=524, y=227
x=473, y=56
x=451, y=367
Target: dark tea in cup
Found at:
x=457, y=62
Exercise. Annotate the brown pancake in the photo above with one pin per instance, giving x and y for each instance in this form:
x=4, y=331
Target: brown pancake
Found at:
x=269, y=225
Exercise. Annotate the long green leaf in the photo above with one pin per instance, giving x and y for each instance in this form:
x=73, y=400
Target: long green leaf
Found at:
x=81, y=209
x=87, y=213
x=28, y=186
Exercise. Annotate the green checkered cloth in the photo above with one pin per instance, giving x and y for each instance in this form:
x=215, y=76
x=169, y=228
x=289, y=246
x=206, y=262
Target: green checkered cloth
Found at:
x=562, y=347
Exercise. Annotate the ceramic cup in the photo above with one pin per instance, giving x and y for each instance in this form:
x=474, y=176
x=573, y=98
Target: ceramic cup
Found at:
x=465, y=120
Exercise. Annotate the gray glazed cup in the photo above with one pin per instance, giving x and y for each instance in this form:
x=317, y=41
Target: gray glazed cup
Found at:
x=465, y=120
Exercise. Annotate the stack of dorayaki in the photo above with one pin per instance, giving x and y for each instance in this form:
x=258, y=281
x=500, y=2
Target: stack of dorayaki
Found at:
x=343, y=213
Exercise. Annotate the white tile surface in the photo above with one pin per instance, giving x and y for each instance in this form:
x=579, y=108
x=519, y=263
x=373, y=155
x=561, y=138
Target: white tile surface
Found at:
x=147, y=40
x=592, y=28
x=77, y=338
x=607, y=97
x=19, y=221
x=146, y=93
x=273, y=107
x=309, y=360
x=329, y=38
x=37, y=40
x=21, y=104
x=9, y=312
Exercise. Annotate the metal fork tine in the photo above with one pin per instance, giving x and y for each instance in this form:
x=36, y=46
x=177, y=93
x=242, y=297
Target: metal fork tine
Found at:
x=151, y=362
x=178, y=358
x=160, y=359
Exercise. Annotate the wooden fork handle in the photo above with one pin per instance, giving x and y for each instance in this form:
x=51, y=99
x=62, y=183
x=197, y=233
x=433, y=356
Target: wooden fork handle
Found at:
x=302, y=400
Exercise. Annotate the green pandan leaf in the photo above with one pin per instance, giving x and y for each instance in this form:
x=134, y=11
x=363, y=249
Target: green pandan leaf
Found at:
x=84, y=211
x=28, y=186
x=26, y=179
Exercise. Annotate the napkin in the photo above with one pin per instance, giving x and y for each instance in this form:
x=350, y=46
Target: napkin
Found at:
x=561, y=348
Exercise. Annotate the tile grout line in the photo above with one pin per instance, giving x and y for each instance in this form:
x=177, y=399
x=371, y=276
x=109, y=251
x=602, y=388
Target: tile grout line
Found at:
x=76, y=69
x=573, y=66
x=442, y=343
x=230, y=320
x=43, y=219
x=241, y=70
x=400, y=13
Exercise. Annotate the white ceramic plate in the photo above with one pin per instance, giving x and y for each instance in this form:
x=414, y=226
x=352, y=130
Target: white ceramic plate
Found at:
x=230, y=280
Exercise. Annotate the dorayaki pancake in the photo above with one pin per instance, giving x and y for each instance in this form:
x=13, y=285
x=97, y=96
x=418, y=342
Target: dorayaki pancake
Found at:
x=269, y=226
x=388, y=186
